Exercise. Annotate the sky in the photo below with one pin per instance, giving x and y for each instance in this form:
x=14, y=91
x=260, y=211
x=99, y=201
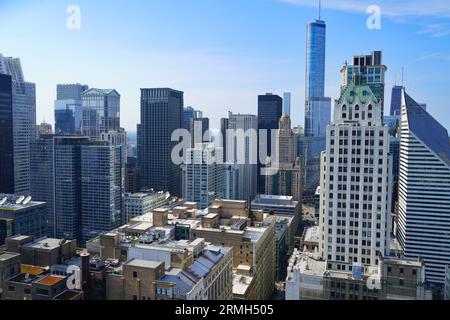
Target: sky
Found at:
x=222, y=53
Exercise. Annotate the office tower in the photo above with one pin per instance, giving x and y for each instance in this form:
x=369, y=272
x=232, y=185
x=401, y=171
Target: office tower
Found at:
x=286, y=178
x=6, y=135
x=270, y=110
x=132, y=176
x=101, y=188
x=101, y=112
x=231, y=177
x=24, y=120
x=396, y=101
x=44, y=129
x=287, y=103
x=317, y=106
x=199, y=129
x=203, y=175
x=424, y=190
x=241, y=149
x=161, y=115
x=369, y=70
x=68, y=108
x=188, y=115
x=224, y=124
x=81, y=181
x=356, y=183
x=22, y=216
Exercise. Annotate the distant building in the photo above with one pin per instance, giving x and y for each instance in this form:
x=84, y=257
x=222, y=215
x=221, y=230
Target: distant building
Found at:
x=44, y=129
x=270, y=110
x=19, y=215
x=24, y=122
x=6, y=135
x=68, y=109
x=139, y=204
x=287, y=103
x=161, y=115
x=203, y=176
x=101, y=112
x=132, y=176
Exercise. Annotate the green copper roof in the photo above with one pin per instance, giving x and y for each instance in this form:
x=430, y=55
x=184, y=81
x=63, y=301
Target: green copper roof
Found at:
x=362, y=92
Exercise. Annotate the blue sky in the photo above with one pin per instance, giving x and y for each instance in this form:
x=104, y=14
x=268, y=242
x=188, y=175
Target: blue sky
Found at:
x=222, y=53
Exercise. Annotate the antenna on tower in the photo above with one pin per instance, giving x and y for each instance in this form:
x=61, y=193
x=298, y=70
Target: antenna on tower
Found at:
x=403, y=76
x=320, y=9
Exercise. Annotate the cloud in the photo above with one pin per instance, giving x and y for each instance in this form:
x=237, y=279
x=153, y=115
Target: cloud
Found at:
x=435, y=56
x=396, y=9
x=436, y=30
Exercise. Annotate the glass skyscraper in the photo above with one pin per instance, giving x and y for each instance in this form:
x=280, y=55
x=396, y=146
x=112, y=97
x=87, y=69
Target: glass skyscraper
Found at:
x=6, y=136
x=101, y=112
x=317, y=107
x=161, y=115
x=24, y=121
x=68, y=108
x=270, y=110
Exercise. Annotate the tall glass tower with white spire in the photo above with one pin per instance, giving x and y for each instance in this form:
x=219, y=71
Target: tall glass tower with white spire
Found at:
x=317, y=106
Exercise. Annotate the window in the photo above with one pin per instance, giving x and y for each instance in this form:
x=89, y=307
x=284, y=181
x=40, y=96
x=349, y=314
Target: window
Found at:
x=135, y=274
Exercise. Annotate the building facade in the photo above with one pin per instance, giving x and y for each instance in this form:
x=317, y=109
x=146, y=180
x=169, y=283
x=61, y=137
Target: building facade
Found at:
x=68, y=109
x=6, y=135
x=161, y=115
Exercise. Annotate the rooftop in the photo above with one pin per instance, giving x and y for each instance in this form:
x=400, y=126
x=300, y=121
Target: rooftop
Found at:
x=6, y=256
x=51, y=280
x=143, y=263
x=14, y=202
x=44, y=244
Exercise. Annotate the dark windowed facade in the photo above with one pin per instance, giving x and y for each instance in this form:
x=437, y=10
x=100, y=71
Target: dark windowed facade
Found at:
x=161, y=115
x=6, y=136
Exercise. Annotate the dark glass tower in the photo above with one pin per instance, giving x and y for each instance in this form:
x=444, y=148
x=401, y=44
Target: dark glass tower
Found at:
x=396, y=101
x=161, y=115
x=68, y=109
x=6, y=136
x=270, y=110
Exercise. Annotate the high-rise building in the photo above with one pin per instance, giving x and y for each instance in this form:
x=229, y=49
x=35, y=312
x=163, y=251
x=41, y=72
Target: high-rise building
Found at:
x=188, y=115
x=82, y=183
x=242, y=151
x=356, y=183
x=6, y=135
x=24, y=121
x=44, y=129
x=286, y=178
x=203, y=175
x=287, y=103
x=270, y=110
x=161, y=115
x=101, y=188
x=132, y=176
x=101, y=112
x=396, y=101
x=138, y=204
x=424, y=190
x=368, y=70
x=199, y=129
x=68, y=108
x=317, y=106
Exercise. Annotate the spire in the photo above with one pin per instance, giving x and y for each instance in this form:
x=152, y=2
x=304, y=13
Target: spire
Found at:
x=320, y=9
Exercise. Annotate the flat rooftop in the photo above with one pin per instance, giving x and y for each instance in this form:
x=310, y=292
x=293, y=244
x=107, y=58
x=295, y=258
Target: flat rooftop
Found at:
x=44, y=243
x=143, y=263
x=51, y=280
x=7, y=255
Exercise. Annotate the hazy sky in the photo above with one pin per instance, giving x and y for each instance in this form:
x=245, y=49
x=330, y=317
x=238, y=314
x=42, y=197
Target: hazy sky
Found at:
x=222, y=53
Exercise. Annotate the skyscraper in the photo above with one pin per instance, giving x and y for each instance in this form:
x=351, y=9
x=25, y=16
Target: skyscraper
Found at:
x=101, y=112
x=101, y=188
x=188, y=115
x=199, y=129
x=317, y=106
x=270, y=110
x=287, y=103
x=81, y=181
x=24, y=121
x=396, y=101
x=204, y=175
x=356, y=186
x=368, y=70
x=161, y=115
x=287, y=178
x=242, y=151
x=424, y=190
x=68, y=108
x=6, y=136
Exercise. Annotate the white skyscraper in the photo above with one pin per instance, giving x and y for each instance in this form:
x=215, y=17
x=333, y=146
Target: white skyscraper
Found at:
x=241, y=149
x=203, y=175
x=356, y=186
x=24, y=121
x=424, y=190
